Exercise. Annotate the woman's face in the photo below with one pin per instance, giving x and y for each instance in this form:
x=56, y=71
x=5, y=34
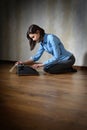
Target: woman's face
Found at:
x=35, y=36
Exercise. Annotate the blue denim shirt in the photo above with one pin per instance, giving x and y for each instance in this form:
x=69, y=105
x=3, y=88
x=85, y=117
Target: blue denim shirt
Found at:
x=54, y=46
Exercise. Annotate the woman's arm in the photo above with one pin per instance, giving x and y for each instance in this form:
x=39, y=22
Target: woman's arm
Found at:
x=31, y=63
x=28, y=62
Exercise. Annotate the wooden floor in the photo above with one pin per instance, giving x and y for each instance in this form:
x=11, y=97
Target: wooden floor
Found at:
x=44, y=102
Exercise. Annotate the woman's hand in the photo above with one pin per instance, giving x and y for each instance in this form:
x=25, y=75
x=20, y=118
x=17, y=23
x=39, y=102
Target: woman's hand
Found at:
x=18, y=62
x=36, y=66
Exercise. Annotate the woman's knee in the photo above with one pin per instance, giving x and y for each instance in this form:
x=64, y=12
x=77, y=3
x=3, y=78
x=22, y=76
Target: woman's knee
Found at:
x=45, y=69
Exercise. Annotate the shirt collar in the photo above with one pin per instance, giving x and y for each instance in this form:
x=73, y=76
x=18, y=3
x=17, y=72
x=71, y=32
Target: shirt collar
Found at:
x=44, y=39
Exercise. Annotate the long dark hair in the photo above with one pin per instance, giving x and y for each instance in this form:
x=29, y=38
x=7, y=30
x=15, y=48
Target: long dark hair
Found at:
x=31, y=30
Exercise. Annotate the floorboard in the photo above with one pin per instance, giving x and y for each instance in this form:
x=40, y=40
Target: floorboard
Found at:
x=43, y=102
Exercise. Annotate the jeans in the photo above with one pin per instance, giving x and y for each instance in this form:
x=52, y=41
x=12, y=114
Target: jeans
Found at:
x=60, y=67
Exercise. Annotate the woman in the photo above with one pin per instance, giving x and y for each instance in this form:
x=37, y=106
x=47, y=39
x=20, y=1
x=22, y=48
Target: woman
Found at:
x=61, y=61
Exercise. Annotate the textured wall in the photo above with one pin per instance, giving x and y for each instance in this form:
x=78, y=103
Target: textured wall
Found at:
x=65, y=18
